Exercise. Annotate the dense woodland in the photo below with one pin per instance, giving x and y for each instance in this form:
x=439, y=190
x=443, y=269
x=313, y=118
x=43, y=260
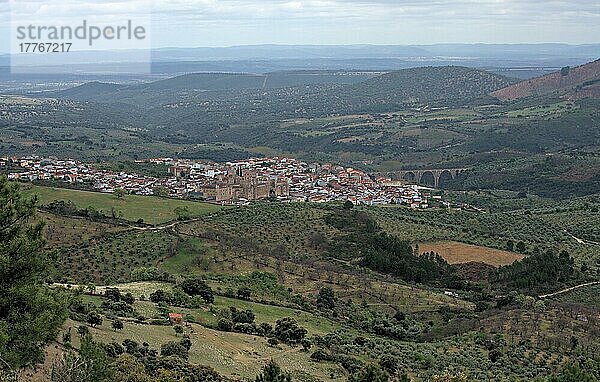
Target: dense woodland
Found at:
x=538, y=269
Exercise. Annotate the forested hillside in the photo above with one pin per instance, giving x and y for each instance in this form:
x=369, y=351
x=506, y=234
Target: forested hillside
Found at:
x=448, y=85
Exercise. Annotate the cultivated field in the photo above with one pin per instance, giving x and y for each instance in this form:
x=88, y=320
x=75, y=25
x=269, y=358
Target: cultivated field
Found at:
x=458, y=253
x=113, y=257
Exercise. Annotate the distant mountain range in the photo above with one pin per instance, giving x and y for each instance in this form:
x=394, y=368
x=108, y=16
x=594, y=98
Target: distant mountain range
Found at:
x=448, y=51
x=526, y=60
x=502, y=52
x=570, y=83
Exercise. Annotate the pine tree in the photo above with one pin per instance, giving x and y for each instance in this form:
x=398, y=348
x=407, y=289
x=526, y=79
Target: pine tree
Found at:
x=30, y=313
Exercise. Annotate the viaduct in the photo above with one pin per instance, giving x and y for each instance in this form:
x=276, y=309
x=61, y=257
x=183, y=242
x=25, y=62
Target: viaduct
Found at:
x=419, y=176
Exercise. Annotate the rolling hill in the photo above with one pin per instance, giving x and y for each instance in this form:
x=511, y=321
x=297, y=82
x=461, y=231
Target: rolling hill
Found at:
x=88, y=90
x=355, y=91
x=239, y=81
x=570, y=83
x=430, y=84
x=207, y=82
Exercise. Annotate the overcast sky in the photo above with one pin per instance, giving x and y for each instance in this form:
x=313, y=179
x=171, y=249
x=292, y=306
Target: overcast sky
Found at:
x=189, y=23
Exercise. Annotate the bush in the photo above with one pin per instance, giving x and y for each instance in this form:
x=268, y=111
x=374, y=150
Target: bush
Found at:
x=130, y=346
x=573, y=373
x=242, y=316
x=94, y=319
x=120, y=308
x=128, y=298
x=225, y=325
x=265, y=328
x=245, y=328
x=113, y=294
x=160, y=295
x=117, y=324
x=306, y=344
x=197, y=287
x=326, y=298
x=183, y=371
x=173, y=348
x=320, y=355
x=371, y=373
x=113, y=349
x=159, y=322
x=244, y=293
x=352, y=364
x=288, y=331
x=272, y=373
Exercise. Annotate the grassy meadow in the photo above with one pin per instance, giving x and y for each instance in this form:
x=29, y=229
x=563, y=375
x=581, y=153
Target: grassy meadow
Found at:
x=151, y=209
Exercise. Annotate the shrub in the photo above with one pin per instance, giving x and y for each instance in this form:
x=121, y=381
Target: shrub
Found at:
x=225, y=325
x=94, y=319
x=326, y=298
x=160, y=295
x=288, y=330
x=197, y=287
x=242, y=316
x=265, y=328
x=117, y=324
x=173, y=348
x=371, y=373
x=272, y=373
x=244, y=293
x=320, y=355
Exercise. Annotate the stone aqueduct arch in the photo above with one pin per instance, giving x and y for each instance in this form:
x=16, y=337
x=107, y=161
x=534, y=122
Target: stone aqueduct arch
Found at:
x=417, y=175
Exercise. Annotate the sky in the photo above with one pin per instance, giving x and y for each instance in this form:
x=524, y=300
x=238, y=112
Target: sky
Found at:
x=211, y=23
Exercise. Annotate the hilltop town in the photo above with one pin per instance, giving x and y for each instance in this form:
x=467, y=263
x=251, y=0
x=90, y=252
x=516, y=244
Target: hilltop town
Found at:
x=236, y=182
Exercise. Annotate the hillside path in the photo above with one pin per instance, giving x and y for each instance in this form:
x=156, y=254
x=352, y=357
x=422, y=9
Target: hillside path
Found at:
x=569, y=289
x=581, y=241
